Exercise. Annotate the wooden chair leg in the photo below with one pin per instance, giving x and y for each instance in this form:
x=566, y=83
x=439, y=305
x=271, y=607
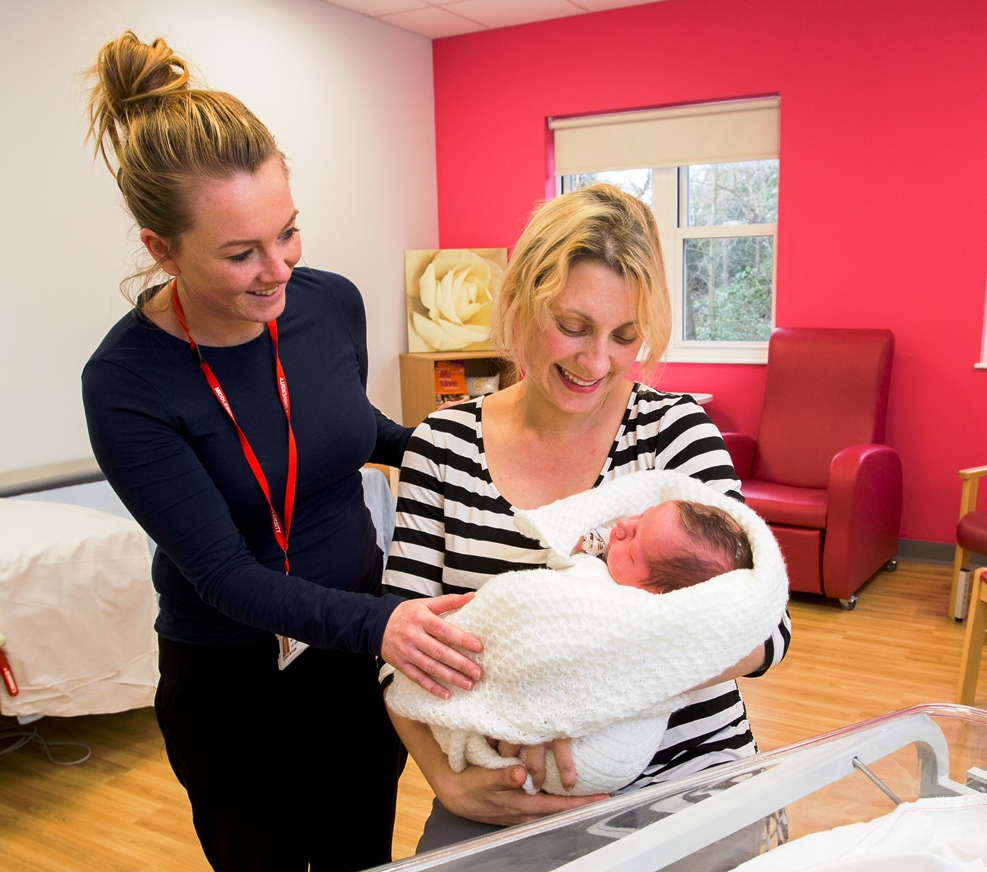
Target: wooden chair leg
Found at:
x=960, y=562
x=973, y=645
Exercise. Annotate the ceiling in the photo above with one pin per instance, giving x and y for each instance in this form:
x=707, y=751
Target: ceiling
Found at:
x=438, y=18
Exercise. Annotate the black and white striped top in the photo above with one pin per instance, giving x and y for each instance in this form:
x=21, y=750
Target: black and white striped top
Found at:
x=454, y=530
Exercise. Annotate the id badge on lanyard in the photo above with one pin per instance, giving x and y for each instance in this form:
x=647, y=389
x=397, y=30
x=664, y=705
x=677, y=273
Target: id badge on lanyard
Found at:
x=288, y=649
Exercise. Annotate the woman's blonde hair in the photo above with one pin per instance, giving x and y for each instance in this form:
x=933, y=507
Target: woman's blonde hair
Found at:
x=165, y=136
x=601, y=224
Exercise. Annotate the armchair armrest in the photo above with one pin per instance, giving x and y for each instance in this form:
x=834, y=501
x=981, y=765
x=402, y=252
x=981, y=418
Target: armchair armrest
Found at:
x=864, y=516
x=742, y=448
x=968, y=496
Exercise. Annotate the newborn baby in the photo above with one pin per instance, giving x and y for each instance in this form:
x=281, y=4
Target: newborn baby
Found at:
x=671, y=546
x=569, y=654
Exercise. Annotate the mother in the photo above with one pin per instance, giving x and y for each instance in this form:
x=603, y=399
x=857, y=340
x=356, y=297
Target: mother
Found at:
x=263, y=740
x=584, y=292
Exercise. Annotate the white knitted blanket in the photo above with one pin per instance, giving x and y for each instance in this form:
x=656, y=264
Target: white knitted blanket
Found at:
x=597, y=662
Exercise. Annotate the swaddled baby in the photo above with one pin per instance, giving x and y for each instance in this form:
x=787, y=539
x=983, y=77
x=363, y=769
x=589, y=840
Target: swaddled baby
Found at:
x=567, y=653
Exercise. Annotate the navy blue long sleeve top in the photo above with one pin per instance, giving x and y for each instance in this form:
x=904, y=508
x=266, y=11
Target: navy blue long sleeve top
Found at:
x=171, y=453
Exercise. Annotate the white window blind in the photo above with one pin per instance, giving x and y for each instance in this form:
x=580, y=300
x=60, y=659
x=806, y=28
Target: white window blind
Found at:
x=735, y=130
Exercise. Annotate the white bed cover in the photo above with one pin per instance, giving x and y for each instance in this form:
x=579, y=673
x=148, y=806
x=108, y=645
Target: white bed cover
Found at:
x=77, y=609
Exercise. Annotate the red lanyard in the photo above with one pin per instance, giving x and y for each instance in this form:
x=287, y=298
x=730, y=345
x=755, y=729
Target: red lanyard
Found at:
x=280, y=530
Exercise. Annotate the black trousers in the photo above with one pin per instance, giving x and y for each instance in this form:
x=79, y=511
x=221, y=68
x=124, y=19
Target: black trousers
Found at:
x=282, y=769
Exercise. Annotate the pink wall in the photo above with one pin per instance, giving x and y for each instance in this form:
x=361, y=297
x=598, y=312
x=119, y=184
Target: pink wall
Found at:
x=883, y=192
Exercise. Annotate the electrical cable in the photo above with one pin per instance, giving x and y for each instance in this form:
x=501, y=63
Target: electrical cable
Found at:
x=19, y=735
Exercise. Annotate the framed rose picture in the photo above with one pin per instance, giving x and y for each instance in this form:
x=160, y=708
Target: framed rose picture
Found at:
x=450, y=294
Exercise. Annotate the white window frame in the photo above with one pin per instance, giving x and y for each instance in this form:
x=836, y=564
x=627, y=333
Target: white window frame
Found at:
x=669, y=206
x=982, y=363
x=692, y=135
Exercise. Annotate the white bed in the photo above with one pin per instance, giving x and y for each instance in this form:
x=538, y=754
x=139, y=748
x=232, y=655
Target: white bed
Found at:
x=77, y=606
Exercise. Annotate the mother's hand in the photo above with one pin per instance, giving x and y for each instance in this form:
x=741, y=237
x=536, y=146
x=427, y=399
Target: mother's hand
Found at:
x=491, y=796
x=495, y=796
x=535, y=760
x=420, y=644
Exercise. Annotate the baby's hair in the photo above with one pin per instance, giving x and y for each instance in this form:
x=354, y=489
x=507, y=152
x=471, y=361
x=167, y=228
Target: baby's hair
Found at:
x=721, y=545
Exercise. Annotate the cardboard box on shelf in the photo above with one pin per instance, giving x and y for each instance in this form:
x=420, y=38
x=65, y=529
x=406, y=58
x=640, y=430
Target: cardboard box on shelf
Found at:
x=450, y=381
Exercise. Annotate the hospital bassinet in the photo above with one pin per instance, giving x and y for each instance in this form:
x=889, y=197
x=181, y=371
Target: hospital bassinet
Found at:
x=719, y=818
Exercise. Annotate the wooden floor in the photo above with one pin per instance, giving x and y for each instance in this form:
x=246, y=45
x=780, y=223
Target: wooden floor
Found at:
x=122, y=810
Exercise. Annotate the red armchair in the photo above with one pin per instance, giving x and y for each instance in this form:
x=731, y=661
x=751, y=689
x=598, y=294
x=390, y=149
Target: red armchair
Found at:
x=818, y=472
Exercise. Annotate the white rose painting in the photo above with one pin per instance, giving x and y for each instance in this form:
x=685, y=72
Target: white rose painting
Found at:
x=450, y=294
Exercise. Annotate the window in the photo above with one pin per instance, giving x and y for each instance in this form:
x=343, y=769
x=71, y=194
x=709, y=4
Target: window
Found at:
x=716, y=212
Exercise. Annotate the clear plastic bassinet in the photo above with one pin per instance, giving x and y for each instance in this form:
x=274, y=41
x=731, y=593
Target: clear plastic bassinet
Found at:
x=719, y=818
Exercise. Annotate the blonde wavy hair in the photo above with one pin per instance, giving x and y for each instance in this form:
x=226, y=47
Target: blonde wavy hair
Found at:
x=599, y=223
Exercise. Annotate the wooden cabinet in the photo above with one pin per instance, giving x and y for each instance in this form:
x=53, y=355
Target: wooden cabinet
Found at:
x=418, y=378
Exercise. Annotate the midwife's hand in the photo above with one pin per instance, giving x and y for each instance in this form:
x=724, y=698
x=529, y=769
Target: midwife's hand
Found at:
x=419, y=643
x=495, y=796
x=535, y=758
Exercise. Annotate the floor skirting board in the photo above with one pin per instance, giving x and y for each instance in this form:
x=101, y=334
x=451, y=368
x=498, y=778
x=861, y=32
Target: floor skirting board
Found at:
x=933, y=552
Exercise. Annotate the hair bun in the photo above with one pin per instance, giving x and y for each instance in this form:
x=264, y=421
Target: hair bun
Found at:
x=132, y=77
x=131, y=71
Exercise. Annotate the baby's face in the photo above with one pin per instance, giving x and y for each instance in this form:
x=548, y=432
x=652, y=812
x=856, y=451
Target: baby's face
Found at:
x=638, y=541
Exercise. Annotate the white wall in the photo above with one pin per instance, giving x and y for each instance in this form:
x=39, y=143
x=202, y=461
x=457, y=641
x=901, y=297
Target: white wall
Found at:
x=350, y=102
